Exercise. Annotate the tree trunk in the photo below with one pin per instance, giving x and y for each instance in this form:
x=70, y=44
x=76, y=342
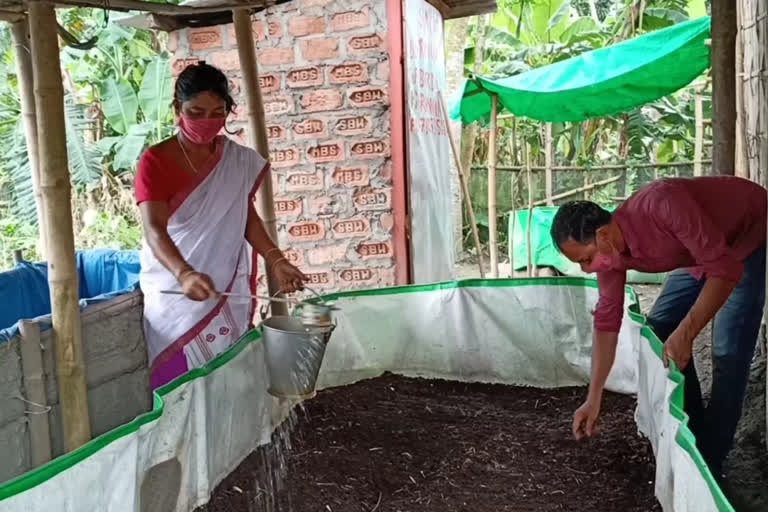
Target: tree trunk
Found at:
x=723, y=90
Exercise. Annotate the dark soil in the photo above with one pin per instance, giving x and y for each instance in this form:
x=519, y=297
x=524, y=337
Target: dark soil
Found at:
x=395, y=444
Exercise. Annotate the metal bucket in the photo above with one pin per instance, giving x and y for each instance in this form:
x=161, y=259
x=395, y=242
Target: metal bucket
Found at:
x=294, y=353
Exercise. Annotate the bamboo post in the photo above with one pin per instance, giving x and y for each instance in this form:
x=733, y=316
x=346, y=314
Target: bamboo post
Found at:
x=740, y=155
x=529, y=175
x=57, y=212
x=723, y=62
x=27, y=93
x=698, y=147
x=464, y=189
x=548, y=162
x=34, y=385
x=492, y=234
x=513, y=200
x=257, y=135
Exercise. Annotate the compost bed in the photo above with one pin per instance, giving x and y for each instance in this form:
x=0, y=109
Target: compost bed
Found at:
x=399, y=444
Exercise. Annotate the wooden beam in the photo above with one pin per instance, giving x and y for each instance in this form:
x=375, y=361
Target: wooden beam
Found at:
x=34, y=387
x=12, y=16
x=161, y=8
x=529, y=175
x=493, y=241
x=23, y=46
x=257, y=135
x=723, y=87
x=57, y=211
x=464, y=189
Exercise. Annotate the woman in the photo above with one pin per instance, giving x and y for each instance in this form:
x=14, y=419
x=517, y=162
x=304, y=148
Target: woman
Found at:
x=201, y=231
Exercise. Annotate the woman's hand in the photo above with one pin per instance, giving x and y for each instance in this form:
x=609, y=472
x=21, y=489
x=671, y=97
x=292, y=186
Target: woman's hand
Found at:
x=289, y=277
x=197, y=286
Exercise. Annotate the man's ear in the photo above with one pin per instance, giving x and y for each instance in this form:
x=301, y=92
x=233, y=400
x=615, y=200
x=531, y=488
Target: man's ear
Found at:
x=603, y=238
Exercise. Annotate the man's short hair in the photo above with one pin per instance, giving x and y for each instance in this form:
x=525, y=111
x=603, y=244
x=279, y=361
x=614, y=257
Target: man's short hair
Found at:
x=578, y=221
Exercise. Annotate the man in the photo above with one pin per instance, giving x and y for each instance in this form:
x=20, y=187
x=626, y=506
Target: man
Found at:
x=710, y=232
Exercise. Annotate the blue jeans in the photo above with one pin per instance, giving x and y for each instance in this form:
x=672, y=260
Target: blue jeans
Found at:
x=736, y=328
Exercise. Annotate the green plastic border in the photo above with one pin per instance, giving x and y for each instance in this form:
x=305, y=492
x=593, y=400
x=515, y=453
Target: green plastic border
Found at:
x=684, y=438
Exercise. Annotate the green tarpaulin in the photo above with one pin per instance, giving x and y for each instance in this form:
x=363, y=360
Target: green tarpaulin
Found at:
x=597, y=83
x=544, y=253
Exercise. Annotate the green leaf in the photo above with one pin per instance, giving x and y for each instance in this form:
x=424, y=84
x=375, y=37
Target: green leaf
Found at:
x=670, y=15
x=501, y=37
x=117, y=33
x=84, y=158
x=120, y=104
x=697, y=9
x=155, y=93
x=559, y=20
x=106, y=144
x=129, y=148
x=580, y=28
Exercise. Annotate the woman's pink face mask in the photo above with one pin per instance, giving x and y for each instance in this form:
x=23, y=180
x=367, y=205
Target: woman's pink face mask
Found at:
x=201, y=131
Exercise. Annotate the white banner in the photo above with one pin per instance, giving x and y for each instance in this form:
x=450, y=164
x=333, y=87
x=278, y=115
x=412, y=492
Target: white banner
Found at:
x=429, y=168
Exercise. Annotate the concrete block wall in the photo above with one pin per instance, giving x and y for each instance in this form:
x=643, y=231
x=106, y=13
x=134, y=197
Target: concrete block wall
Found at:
x=117, y=380
x=324, y=72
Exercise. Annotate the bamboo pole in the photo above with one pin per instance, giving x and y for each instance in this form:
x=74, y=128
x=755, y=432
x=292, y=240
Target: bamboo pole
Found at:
x=740, y=156
x=513, y=198
x=579, y=190
x=57, y=212
x=529, y=174
x=698, y=147
x=723, y=62
x=257, y=135
x=34, y=387
x=611, y=167
x=27, y=93
x=464, y=189
x=492, y=234
x=548, y=163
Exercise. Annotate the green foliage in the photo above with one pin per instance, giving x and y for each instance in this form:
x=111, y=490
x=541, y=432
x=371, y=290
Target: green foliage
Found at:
x=525, y=34
x=117, y=102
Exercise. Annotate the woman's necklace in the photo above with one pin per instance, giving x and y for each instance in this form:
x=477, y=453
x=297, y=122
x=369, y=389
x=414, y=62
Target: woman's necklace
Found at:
x=183, y=150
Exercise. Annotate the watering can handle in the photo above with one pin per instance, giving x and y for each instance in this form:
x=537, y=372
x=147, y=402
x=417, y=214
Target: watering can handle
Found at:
x=314, y=292
x=268, y=304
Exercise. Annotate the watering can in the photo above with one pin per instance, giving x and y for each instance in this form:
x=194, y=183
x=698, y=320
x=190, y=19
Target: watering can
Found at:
x=294, y=347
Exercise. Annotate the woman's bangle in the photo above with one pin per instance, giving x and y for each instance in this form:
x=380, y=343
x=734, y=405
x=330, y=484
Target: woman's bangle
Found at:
x=266, y=254
x=279, y=260
x=184, y=271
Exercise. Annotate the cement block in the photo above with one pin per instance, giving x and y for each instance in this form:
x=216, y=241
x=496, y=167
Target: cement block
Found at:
x=14, y=449
x=11, y=408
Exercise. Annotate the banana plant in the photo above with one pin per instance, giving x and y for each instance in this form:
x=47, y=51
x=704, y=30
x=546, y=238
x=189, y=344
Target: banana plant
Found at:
x=84, y=158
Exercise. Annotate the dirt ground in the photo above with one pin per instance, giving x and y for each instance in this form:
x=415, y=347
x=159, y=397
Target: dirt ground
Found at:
x=747, y=466
x=395, y=444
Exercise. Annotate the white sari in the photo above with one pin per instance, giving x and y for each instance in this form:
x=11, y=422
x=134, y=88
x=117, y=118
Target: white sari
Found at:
x=208, y=228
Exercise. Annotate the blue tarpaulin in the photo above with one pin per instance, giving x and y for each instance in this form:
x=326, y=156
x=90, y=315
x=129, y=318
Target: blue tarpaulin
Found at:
x=103, y=274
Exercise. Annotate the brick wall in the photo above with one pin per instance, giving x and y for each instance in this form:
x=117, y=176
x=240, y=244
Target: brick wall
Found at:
x=324, y=72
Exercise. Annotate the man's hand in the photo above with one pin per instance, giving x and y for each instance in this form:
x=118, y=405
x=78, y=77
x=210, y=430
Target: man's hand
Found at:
x=585, y=420
x=678, y=348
